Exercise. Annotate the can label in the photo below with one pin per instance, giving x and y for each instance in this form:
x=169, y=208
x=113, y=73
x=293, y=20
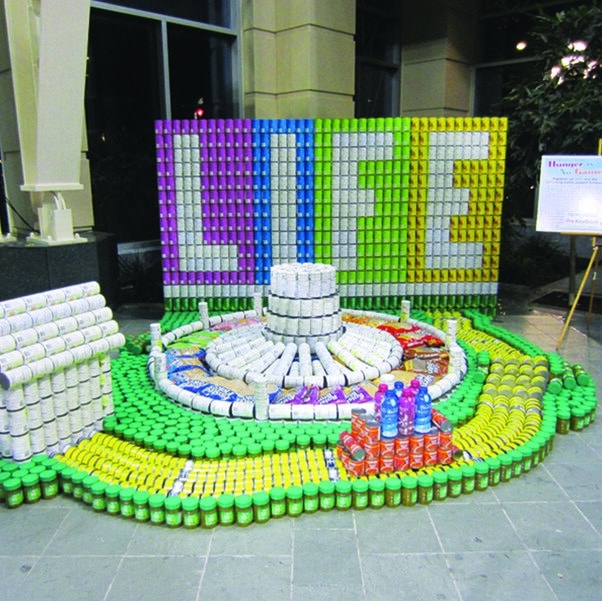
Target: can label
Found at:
x=371, y=466
x=402, y=445
x=352, y=446
x=387, y=447
x=401, y=462
x=386, y=464
x=431, y=441
x=372, y=449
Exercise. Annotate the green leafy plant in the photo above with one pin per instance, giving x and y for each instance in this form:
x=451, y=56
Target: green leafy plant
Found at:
x=556, y=108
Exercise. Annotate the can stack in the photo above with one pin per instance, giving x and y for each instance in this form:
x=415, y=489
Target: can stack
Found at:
x=55, y=378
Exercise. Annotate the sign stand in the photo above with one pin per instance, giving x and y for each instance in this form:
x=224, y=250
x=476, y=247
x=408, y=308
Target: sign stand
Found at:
x=596, y=243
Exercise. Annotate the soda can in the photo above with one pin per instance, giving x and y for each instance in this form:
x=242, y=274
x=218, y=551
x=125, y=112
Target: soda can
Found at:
x=402, y=445
x=431, y=457
x=431, y=441
x=372, y=429
x=401, y=463
x=444, y=456
x=371, y=466
x=416, y=444
x=441, y=422
x=358, y=418
x=352, y=446
x=387, y=447
x=372, y=448
x=386, y=464
x=416, y=460
x=445, y=440
x=355, y=468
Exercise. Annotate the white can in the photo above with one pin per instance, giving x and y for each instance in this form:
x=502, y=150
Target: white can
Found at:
x=21, y=447
x=17, y=422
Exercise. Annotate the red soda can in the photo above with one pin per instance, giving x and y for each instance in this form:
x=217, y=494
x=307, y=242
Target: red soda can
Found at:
x=401, y=462
x=416, y=460
x=444, y=456
x=372, y=448
x=445, y=440
x=416, y=444
x=358, y=418
x=402, y=445
x=387, y=447
x=441, y=421
x=431, y=457
x=431, y=440
x=355, y=468
x=352, y=446
x=372, y=430
x=371, y=466
x=386, y=464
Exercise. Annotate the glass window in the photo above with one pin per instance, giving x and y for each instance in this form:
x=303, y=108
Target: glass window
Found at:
x=378, y=57
x=214, y=12
x=199, y=68
x=141, y=69
x=122, y=102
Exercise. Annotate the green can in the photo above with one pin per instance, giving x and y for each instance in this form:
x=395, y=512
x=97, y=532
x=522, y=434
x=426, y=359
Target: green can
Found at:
x=141, y=508
x=209, y=513
x=454, y=482
x=225, y=509
x=505, y=467
x=468, y=478
x=425, y=489
x=261, y=507
x=99, y=501
x=343, y=495
x=191, y=517
x=360, y=494
x=327, y=495
x=49, y=483
x=112, y=496
x=376, y=488
x=439, y=485
x=409, y=491
x=311, y=497
x=277, y=502
x=13, y=493
x=156, y=508
x=244, y=509
x=88, y=482
x=173, y=511
x=126, y=502
x=392, y=492
x=32, y=491
x=494, y=465
x=77, y=480
x=294, y=501
x=481, y=475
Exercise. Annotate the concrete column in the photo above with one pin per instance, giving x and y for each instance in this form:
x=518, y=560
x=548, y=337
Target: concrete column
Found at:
x=43, y=46
x=299, y=58
x=437, y=57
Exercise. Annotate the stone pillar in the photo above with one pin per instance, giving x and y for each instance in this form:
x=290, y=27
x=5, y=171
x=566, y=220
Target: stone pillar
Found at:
x=298, y=58
x=437, y=57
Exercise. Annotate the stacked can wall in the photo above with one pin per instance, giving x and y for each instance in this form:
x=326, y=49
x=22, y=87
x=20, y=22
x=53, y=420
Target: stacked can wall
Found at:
x=404, y=208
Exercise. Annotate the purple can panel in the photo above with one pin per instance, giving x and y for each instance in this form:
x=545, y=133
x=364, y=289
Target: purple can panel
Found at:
x=205, y=179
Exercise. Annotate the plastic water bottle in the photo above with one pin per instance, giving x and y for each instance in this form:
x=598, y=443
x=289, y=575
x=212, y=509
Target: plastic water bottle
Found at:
x=398, y=387
x=388, y=414
x=424, y=407
x=379, y=395
x=405, y=415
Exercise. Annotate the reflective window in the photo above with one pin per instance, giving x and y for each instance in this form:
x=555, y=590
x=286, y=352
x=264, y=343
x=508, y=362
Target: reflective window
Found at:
x=378, y=58
x=215, y=12
x=199, y=68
